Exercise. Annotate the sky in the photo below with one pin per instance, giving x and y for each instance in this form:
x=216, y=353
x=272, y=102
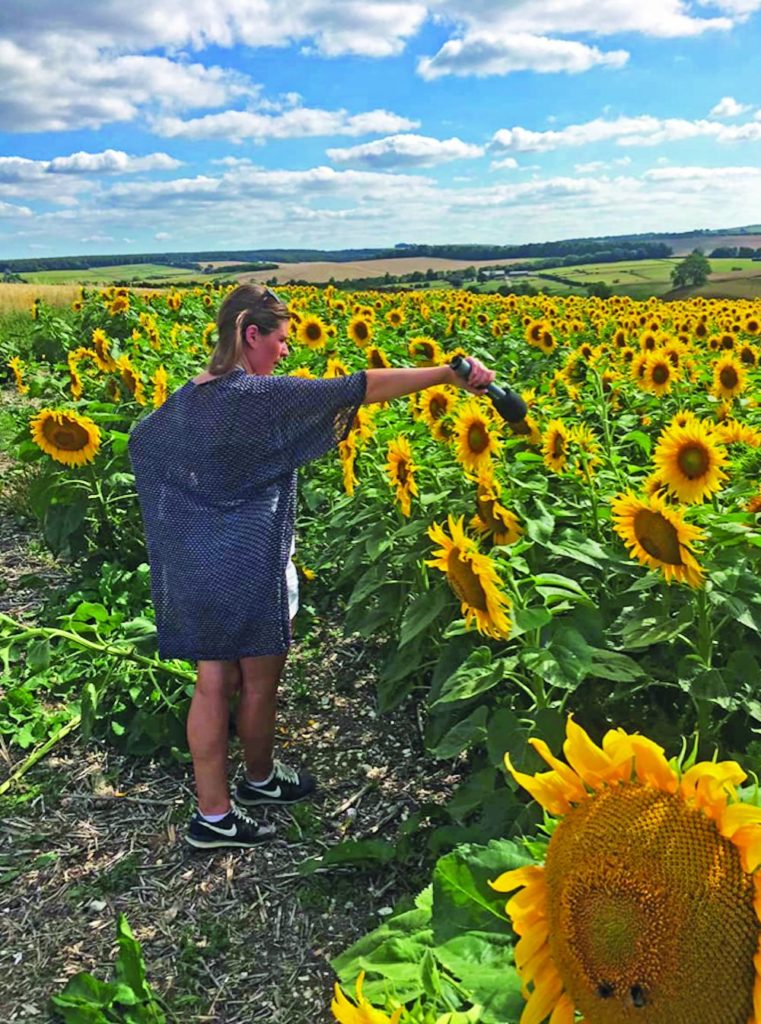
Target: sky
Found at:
x=182, y=125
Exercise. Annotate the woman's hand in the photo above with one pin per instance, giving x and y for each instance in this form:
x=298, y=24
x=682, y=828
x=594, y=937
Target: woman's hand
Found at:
x=479, y=377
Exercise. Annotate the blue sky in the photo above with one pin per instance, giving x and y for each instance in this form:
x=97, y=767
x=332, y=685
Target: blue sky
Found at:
x=184, y=124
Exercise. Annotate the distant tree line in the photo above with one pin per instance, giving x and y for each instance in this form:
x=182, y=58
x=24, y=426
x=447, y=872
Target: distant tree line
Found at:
x=733, y=252
x=580, y=250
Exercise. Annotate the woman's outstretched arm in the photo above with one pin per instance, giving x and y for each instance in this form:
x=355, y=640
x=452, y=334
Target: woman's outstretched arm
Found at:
x=383, y=385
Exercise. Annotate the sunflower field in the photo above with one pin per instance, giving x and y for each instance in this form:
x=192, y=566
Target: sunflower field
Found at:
x=597, y=562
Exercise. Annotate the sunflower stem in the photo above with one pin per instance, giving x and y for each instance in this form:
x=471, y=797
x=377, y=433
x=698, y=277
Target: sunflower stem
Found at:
x=103, y=648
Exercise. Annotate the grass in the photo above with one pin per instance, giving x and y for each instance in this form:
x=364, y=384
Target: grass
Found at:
x=18, y=298
x=118, y=272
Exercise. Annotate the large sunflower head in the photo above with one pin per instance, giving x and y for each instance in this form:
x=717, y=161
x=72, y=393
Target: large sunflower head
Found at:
x=473, y=578
x=401, y=472
x=425, y=351
x=555, y=446
x=690, y=460
x=131, y=379
x=66, y=437
x=312, y=332
x=102, y=349
x=476, y=443
x=645, y=909
x=360, y=330
x=659, y=373
x=435, y=403
x=377, y=358
x=502, y=525
x=730, y=377
x=657, y=536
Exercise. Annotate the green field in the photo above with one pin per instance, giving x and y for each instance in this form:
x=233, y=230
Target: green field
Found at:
x=160, y=273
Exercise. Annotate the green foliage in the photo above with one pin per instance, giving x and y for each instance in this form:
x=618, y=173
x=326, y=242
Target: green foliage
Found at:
x=693, y=270
x=451, y=953
x=128, y=999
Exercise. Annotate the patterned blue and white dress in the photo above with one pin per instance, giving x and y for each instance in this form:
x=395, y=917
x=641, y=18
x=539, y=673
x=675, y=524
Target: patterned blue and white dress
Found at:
x=215, y=469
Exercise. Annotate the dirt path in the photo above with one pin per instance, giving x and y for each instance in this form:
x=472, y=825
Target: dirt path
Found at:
x=233, y=937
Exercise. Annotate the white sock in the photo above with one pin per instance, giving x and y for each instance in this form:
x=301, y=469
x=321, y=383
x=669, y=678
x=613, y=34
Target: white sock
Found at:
x=261, y=782
x=213, y=818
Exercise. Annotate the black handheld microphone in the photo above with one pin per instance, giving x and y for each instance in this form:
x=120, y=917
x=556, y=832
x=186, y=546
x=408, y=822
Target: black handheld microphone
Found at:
x=508, y=404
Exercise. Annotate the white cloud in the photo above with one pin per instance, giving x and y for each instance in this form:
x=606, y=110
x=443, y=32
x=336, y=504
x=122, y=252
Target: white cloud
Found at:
x=405, y=151
x=625, y=131
x=728, y=107
x=8, y=210
x=485, y=53
x=62, y=86
x=111, y=161
x=661, y=18
x=740, y=9
x=300, y=122
x=161, y=236
x=509, y=163
x=83, y=65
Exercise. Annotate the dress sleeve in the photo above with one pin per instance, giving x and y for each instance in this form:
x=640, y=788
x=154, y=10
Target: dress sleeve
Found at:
x=309, y=417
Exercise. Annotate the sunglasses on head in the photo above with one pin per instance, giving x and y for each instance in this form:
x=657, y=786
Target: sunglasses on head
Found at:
x=274, y=296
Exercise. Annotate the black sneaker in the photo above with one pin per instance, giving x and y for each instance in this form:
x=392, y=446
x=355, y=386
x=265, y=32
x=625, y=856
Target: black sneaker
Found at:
x=287, y=786
x=235, y=829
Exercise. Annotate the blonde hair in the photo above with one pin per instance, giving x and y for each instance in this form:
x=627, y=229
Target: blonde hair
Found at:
x=246, y=305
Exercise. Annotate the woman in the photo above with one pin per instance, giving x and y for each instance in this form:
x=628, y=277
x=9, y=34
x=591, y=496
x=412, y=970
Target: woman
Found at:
x=215, y=468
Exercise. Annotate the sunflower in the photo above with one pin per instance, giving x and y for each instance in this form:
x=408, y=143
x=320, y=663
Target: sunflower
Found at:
x=475, y=442
x=395, y=317
x=527, y=429
x=336, y=368
x=131, y=379
x=659, y=373
x=401, y=472
x=66, y=437
x=493, y=518
x=533, y=332
x=312, y=332
x=424, y=351
x=363, y=424
x=360, y=331
x=16, y=365
x=748, y=355
x=588, y=447
x=174, y=301
x=658, y=537
x=729, y=377
x=733, y=432
x=119, y=305
x=473, y=578
x=555, y=446
x=348, y=451
x=690, y=460
x=362, y=1012
x=102, y=349
x=434, y=403
x=646, y=907
x=377, y=358
x=159, y=387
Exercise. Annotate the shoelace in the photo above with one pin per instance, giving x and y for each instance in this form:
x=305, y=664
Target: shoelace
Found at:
x=242, y=816
x=285, y=772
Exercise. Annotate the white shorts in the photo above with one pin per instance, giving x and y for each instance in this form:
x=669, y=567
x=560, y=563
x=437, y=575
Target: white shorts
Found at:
x=292, y=582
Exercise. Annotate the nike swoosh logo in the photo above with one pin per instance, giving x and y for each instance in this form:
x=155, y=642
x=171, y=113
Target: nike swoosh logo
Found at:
x=274, y=793
x=232, y=831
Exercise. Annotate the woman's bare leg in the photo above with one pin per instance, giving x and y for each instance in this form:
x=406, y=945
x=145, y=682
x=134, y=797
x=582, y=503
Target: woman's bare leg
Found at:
x=208, y=722
x=256, y=711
